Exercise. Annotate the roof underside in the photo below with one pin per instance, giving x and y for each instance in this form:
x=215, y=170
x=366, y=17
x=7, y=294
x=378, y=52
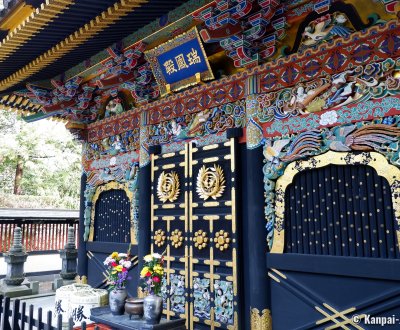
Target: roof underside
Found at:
x=72, y=19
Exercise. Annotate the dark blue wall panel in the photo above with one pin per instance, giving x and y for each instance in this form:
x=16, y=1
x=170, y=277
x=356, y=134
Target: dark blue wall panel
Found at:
x=112, y=217
x=341, y=211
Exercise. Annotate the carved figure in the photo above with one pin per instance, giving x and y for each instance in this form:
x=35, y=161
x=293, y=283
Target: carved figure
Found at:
x=370, y=137
x=114, y=107
x=324, y=29
x=194, y=128
x=302, y=99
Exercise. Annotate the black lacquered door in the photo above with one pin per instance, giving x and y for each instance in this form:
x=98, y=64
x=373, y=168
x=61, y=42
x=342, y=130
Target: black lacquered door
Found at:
x=194, y=222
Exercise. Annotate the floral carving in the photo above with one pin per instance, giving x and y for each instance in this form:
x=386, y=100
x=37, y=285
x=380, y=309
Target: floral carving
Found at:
x=381, y=135
x=176, y=238
x=177, y=293
x=200, y=239
x=328, y=118
x=201, y=294
x=164, y=290
x=223, y=301
x=222, y=240
x=159, y=237
x=353, y=86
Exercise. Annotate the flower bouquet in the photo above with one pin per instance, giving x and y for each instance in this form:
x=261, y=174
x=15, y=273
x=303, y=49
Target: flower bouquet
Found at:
x=118, y=265
x=117, y=270
x=152, y=274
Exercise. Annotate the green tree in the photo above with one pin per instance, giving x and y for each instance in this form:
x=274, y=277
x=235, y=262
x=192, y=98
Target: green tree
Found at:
x=38, y=159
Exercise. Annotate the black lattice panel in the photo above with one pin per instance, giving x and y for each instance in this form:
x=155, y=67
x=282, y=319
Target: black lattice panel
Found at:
x=169, y=228
x=214, y=241
x=196, y=230
x=112, y=217
x=342, y=211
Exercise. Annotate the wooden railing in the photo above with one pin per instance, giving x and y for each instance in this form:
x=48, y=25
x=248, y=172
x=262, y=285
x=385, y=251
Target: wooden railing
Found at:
x=42, y=230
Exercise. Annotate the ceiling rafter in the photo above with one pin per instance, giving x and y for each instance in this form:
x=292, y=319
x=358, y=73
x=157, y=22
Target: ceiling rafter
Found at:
x=19, y=104
x=22, y=106
x=35, y=22
x=99, y=23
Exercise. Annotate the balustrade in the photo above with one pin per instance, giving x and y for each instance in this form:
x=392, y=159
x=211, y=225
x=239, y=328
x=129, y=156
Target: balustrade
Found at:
x=42, y=230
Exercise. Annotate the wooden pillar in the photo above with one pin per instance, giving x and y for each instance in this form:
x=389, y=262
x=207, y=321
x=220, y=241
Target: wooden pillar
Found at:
x=257, y=284
x=144, y=226
x=82, y=258
x=256, y=281
x=144, y=213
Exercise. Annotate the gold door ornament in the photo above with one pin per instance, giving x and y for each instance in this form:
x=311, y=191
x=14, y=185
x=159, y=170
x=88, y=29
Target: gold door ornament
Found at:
x=176, y=238
x=222, y=240
x=168, y=186
x=159, y=237
x=260, y=320
x=200, y=239
x=210, y=182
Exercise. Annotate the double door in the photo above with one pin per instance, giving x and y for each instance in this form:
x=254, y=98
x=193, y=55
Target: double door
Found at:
x=194, y=224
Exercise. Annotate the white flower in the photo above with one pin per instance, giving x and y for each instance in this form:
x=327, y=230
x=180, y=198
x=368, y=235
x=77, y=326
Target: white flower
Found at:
x=328, y=118
x=109, y=260
x=148, y=258
x=113, y=161
x=127, y=264
x=157, y=255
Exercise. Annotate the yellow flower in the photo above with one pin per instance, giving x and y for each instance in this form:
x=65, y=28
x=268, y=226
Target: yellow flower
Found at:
x=117, y=269
x=159, y=269
x=114, y=255
x=144, y=271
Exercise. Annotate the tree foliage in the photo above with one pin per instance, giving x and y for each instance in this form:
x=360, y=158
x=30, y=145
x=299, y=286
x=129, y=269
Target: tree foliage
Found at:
x=39, y=159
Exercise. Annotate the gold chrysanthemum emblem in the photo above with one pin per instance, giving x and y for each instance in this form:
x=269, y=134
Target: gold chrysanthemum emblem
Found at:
x=222, y=240
x=168, y=186
x=159, y=237
x=210, y=182
x=176, y=238
x=200, y=239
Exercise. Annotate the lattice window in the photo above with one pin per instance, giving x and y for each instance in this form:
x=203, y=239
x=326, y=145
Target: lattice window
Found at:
x=112, y=217
x=342, y=211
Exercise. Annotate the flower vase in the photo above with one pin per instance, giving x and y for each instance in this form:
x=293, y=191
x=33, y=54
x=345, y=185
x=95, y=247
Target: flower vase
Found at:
x=152, y=307
x=116, y=300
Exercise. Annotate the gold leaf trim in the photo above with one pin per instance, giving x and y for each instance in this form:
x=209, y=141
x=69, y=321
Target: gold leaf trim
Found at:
x=168, y=186
x=222, y=240
x=38, y=19
x=384, y=169
x=261, y=321
x=210, y=182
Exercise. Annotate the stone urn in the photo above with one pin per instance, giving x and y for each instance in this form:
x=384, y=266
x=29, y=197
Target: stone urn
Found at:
x=152, y=307
x=134, y=307
x=116, y=300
